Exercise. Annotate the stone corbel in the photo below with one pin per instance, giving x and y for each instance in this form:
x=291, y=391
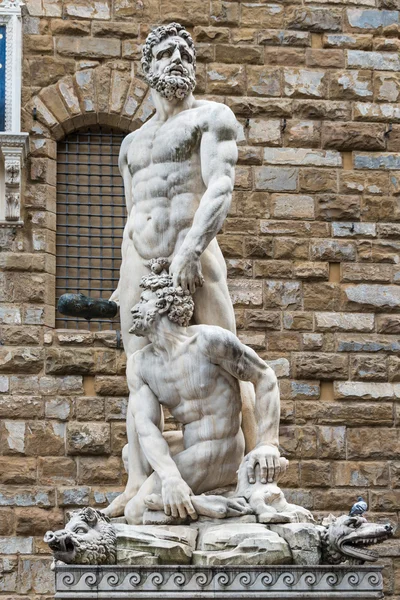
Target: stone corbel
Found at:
x=14, y=149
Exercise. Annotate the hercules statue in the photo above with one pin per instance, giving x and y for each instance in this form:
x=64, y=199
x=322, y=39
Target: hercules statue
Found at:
x=178, y=172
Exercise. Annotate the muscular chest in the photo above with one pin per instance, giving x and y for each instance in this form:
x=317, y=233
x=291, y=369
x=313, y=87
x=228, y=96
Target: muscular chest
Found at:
x=177, y=140
x=182, y=380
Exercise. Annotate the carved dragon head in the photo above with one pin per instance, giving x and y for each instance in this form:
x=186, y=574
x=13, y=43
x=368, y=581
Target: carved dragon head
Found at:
x=349, y=538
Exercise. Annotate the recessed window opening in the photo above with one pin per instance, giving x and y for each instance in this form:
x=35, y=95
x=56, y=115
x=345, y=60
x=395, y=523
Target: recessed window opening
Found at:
x=91, y=216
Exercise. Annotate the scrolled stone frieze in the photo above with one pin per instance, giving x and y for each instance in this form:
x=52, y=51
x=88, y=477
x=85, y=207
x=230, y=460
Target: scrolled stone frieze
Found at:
x=217, y=582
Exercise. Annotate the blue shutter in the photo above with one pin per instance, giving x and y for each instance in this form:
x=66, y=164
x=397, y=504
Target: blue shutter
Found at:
x=2, y=78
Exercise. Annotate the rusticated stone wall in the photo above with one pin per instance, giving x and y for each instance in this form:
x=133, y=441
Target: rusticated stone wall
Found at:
x=312, y=247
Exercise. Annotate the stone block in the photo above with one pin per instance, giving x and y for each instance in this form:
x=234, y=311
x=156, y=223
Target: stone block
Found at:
x=369, y=367
x=69, y=27
x=331, y=442
x=379, y=61
x=282, y=294
x=331, y=207
x=358, y=342
x=333, y=321
x=312, y=341
x=293, y=57
x=20, y=496
x=388, y=324
x=292, y=206
x=45, y=438
x=320, y=366
x=223, y=13
x=315, y=473
x=12, y=439
x=365, y=230
x=371, y=296
x=373, y=443
x=268, y=107
x=46, y=70
x=298, y=442
x=245, y=293
x=273, y=37
x=352, y=414
x=394, y=369
x=333, y=250
x=291, y=248
x=314, y=109
x=348, y=136
x=226, y=79
x=21, y=360
x=318, y=57
x=387, y=87
x=88, y=438
x=371, y=19
x=56, y=470
x=311, y=270
x=304, y=83
x=16, y=545
x=262, y=15
x=74, y=496
x=303, y=157
x=106, y=385
x=36, y=521
x=65, y=361
x=313, y=19
x=299, y=321
x=7, y=523
x=260, y=319
x=354, y=390
x=262, y=131
x=104, y=470
x=58, y=408
x=115, y=29
x=89, y=47
x=354, y=42
x=226, y=53
x=367, y=111
x=211, y=34
x=276, y=179
x=321, y=296
x=300, y=134
x=35, y=576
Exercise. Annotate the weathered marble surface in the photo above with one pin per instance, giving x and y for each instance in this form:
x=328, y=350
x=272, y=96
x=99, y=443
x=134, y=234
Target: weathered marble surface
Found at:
x=172, y=583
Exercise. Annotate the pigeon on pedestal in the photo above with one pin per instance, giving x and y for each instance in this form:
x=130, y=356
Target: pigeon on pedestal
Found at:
x=359, y=508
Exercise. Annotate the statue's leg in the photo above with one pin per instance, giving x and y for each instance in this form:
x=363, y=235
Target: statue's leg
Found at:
x=132, y=270
x=213, y=306
x=194, y=466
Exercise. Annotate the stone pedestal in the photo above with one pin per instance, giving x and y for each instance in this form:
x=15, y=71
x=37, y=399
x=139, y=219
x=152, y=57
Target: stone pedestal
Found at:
x=197, y=582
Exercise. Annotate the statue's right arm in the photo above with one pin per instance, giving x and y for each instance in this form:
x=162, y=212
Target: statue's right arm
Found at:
x=124, y=169
x=146, y=411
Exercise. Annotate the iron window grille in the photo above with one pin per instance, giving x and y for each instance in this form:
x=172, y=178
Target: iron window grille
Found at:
x=91, y=216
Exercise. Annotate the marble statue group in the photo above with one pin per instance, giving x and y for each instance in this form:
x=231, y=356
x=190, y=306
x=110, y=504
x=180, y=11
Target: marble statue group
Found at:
x=178, y=172
x=178, y=328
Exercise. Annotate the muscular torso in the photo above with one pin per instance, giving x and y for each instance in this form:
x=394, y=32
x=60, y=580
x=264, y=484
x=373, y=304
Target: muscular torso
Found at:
x=164, y=164
x=202, y=396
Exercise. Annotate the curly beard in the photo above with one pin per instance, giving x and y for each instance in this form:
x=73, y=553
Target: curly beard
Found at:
x=172, y=87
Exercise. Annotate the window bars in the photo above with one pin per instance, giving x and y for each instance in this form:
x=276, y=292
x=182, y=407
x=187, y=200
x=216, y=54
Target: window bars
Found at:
x=91, y=217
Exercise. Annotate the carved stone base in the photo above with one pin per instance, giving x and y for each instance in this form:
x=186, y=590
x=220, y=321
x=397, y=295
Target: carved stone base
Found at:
x=189, y=582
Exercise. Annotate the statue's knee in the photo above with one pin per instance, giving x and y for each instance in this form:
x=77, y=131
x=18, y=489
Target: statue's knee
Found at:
x=134, y=512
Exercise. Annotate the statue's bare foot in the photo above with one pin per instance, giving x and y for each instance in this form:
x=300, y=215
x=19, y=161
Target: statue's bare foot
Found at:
x=117, y=506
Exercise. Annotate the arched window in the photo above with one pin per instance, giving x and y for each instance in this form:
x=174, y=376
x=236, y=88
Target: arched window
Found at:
x=91, y=216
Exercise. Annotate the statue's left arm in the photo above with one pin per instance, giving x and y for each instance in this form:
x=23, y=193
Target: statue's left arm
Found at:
x=242, y=362
x=218, y=156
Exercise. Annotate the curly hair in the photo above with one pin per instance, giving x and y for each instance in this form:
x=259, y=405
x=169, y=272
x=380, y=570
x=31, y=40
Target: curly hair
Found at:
x=158, y=35
x=178, y=304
